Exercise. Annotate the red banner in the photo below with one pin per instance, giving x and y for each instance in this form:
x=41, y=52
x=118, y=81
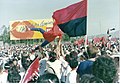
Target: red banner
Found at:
x=32, y=71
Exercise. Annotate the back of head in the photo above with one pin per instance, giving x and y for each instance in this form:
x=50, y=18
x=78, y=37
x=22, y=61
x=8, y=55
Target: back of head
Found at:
x=48, y=78
x=52, y=56
x=89, y=78
x=67, y=58
x=73, y=54
x=105, y=69
x=92, y=51
x=73, y=63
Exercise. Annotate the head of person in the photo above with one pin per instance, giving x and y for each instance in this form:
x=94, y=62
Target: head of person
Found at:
x=73, y=55
x=48, y=78
x=52, y=56
x=25, y=61
x=89, y=78
x=105, y=68
x=92, y=51
x=103, y=52
x=67, y=58
x=73, y=63
x=15, y=61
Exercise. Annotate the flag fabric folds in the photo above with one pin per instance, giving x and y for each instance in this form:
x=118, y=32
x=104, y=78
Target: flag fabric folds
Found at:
x=32, y=71
x=53, y=33
x=72, y=20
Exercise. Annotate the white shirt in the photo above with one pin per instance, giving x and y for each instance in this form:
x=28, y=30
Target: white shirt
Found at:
x=56, y=66
x=3, y=77
x=65, y=69
x=22, y=76
x=71, y=77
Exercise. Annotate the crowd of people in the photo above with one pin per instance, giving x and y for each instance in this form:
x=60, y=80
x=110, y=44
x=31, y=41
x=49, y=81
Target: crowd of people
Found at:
x=62, y=63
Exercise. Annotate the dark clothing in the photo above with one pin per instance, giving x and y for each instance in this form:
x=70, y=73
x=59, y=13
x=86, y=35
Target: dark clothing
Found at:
x=38, y=29
x=41, y=31
x=85, y=67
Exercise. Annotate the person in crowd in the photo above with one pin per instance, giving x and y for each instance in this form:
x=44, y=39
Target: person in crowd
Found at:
x=13, y=72
x=72, y=75
x=105, y=68
x=65, y=67
x=25, y=60
x=42, y=62
x=85, y=66
x=54, y=63
x=61, y=61
x=3, y=75
x=65, y=70
x=48, y=78
x=89, y=78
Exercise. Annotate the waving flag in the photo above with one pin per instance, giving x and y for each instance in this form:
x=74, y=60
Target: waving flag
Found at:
x=72, y=20
x=53, y=33
x=32, y=71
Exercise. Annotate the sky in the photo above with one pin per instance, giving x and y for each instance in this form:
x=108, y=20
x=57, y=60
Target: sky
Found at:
x=102, y=14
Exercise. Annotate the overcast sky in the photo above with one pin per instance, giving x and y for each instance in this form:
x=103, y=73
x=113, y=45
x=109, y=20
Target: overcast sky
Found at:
x=102, y=14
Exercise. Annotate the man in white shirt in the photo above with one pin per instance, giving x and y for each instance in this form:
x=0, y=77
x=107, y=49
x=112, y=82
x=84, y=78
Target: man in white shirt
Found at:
x=55, y=64
x=72, y=75
x=3, y=75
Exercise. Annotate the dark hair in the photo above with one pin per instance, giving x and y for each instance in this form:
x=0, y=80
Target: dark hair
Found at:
x=73, y=63
x=48, y=78
x=25, y=62
x=13, y=75
x=89, y=78
x=105, y=69
x=85, y=55
x=67, y=58
x=73, y=54
x=103, y=52
x=52, y=56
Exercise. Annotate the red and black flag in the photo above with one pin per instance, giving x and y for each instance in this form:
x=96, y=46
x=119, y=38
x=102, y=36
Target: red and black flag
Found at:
x=72, y=20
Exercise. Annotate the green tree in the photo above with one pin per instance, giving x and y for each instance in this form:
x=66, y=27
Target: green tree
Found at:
x=5, y=35
x=66, y=37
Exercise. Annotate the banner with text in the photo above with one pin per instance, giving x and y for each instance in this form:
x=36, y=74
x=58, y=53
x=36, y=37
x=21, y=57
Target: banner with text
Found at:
x=19, y=29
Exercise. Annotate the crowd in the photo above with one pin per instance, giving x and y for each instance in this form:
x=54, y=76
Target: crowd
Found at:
x=63, y=63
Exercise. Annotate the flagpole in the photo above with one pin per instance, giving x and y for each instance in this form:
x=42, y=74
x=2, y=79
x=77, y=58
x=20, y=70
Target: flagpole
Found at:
x=119, y=34
x=86, y=30
x=85, y=42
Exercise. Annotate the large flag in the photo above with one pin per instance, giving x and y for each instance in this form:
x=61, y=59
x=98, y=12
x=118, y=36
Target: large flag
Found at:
x=72, y=20
x=32, y=71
